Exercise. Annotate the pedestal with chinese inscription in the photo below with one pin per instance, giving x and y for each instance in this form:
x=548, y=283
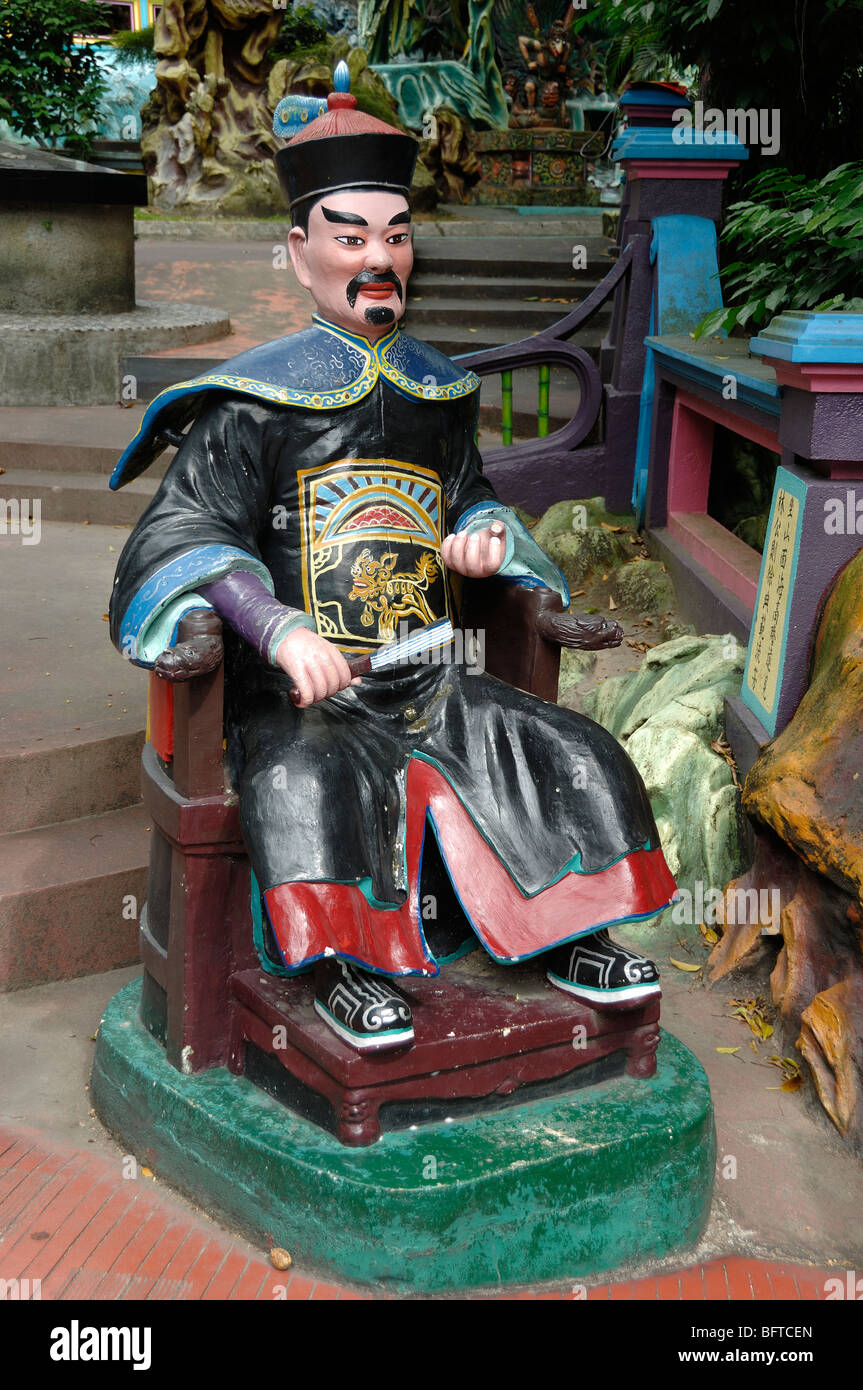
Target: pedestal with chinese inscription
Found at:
x=816, y=517
x=808, y=541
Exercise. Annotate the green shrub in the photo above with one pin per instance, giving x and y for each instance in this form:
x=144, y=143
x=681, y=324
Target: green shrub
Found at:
x=800, y=246
x=136, y=43
x=301, y=29
x=50, y=86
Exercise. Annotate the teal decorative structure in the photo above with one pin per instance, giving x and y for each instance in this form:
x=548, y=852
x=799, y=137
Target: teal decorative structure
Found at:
x=471, y=86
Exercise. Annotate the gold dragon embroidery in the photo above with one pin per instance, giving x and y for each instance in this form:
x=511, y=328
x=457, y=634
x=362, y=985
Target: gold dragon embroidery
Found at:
x=394, y=597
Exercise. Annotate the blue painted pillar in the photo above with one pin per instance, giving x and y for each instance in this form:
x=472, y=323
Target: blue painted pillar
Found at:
x=674, y=183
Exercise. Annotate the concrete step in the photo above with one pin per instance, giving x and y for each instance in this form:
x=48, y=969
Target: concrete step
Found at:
x=511, y=287
x=456, y=329
x=454, y=221
x=68, y=439
x=77, y=497
x=458, y=339
x=518, y=316
x=536, y=258
x=70, y=896
x=72, y=712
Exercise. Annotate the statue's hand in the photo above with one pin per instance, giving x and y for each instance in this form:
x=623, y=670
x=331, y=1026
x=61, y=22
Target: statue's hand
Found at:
x=476, y=556
x=316, y=667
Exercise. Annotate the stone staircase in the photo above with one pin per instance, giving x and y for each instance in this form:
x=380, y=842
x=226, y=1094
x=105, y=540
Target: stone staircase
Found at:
x=485, y=292
x=74, y=845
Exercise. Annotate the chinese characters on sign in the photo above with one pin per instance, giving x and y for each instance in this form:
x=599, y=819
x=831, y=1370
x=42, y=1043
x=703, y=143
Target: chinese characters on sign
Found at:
x=765, y=654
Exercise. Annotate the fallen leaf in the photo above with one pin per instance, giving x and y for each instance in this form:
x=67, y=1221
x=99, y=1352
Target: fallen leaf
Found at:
x=723, y=748
x=708, y=933
x=611, y=603
x=280, y=1259
x=684, y=965
x=754, y=1012
x=728, y=1051
x=104, y=617
x=146, y=1172
x=790, y=1068
x=577, y=593
x=607, y=527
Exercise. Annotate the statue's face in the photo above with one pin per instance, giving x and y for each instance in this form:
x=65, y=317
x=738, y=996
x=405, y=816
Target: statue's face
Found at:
x=356, y=259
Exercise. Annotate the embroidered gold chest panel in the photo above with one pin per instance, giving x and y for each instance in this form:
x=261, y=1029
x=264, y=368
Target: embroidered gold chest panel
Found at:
x=371, y=532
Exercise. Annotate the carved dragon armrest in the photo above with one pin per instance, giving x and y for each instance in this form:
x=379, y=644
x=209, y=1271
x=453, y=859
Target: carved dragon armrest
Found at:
x=198, y=652
x=194, y=672
x=587, y=634
x=524, y=629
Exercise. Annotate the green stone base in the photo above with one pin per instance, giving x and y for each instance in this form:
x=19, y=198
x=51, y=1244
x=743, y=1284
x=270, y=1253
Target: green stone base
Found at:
x=551, y=1190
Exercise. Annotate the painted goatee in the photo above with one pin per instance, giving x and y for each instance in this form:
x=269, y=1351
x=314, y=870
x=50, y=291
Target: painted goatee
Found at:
x=380, y=314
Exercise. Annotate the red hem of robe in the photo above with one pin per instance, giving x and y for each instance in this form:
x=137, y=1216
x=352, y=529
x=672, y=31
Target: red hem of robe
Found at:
x=310, y=920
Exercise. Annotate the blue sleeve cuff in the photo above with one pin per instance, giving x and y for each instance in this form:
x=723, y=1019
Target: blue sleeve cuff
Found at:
x=150, y=622
x=525, y=562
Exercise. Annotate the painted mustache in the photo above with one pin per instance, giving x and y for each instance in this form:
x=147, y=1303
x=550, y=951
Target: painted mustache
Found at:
x=370, y=277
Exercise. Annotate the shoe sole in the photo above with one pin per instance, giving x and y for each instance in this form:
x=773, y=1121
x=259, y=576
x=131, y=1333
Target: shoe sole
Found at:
x=362, y=1041
x=623, y=996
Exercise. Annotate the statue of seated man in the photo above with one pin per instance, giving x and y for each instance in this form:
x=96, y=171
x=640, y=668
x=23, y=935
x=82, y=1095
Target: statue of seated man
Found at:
x=326, y=493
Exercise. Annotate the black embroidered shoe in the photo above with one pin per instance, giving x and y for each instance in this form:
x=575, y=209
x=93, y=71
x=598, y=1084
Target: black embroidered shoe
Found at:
x=595, y=969
x=363, y=1009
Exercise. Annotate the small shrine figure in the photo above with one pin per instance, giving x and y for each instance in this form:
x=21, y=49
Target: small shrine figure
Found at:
x=546, y=57
x=328, y=490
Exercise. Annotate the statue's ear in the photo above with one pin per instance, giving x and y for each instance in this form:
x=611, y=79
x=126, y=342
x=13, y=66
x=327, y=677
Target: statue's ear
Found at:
x=297, y=248
x=389, y=560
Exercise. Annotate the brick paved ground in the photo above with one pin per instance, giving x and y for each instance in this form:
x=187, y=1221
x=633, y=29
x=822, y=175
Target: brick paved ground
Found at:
x=70, y=1219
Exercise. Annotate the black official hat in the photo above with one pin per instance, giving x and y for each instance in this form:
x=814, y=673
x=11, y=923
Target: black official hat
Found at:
x=333, y=145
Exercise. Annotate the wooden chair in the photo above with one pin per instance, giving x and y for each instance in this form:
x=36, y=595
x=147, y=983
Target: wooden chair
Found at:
x=205, y=995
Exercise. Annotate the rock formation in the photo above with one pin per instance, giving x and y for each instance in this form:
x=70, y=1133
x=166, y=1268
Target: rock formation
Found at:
x=207, y=141
x=805, y=795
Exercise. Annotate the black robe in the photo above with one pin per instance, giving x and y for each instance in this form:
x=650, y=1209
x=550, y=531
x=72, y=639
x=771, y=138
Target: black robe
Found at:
x=541, y=819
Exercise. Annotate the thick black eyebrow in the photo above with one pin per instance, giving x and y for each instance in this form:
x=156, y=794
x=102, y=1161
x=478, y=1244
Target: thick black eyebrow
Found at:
x=352, y=219
x=400, y=217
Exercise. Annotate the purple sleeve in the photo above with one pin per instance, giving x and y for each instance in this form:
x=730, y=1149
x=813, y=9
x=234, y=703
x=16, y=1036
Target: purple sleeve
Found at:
x=244, y=602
